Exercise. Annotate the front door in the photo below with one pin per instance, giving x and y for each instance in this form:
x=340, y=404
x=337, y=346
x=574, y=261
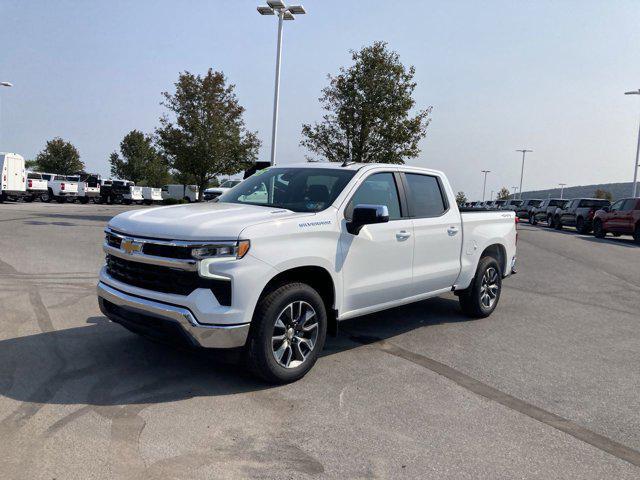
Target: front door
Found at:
x=376, y=264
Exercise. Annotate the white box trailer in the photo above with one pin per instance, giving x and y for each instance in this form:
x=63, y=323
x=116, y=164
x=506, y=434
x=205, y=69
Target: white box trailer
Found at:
x=180, y=192
x=14, y=176
x=151, y=195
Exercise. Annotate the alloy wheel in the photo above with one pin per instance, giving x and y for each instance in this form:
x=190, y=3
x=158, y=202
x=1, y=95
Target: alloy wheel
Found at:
x=489, y=287
x=295, y=334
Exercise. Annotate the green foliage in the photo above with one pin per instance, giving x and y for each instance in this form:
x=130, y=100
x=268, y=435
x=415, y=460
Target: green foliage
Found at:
x=59, y=156
x=604, y=194
x=503, y=194
x=208, y=136
x=140, y=161
x=369, y=107
x=461, y=198
x=31, y=164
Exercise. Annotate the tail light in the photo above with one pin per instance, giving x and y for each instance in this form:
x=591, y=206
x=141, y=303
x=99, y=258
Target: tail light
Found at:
x=30, y=183
x=62, y=186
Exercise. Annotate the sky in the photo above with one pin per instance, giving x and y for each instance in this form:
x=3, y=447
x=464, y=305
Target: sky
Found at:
x=501, y=75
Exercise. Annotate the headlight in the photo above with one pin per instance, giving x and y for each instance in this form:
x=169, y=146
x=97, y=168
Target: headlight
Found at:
x=222, y=250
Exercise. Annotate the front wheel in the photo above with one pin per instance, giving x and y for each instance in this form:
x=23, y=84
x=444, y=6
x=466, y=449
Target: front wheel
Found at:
x=482, y=296
x=288, y=331
x=581, y=226
x=46, y=196
x=557, y=224
x=598, y=229
x=550, y=223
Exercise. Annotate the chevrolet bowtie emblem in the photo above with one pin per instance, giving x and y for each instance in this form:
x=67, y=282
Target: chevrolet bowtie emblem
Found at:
x=130, y=246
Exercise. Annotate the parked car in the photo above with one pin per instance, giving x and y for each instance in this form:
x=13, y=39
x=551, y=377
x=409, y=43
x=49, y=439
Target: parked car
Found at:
x=272, y=275
x=181, y=192
x=151, y=195
x=14, y=174
x=513, y=205
x=59, y=188
x=525, y=210
x=36, y=186
x=578, y=213
x=544, y=212
x=213, y=192
x=499, y=204
x=622, y=218
x=114, y=191
x=88, y=186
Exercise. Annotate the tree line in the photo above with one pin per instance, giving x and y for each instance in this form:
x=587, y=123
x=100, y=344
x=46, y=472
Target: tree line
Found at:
x=370, y=116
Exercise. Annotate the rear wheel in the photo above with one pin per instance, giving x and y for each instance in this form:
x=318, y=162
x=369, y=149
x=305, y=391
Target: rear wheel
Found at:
x=581, y=226
x=598, y=229
x=287, y=333
x=482, y=296
x=46, y=196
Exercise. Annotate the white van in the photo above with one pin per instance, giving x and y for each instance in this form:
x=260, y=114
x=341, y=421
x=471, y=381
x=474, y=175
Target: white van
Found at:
x=180, y=192
x=151, y=195
x=14, y=176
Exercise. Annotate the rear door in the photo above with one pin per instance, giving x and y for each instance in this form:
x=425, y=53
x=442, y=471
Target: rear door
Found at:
x=15, y=174
x=626, y=222
x=377, y=263
x=438, y=233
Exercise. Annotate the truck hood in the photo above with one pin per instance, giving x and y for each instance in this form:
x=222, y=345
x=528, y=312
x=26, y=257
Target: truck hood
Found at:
x=200, y=221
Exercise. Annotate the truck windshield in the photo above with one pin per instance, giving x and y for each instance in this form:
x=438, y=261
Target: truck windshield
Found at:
x=296, y=189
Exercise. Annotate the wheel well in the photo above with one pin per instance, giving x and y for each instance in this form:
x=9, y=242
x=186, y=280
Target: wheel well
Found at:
x=498, y=252
x=316, y=277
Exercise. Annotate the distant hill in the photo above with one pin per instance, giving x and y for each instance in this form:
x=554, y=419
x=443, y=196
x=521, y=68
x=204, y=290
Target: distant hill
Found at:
x=618, y=190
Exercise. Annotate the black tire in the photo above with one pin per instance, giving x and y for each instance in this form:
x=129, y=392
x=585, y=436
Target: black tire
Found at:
x=471, y=299
x=550, y=223
x=47, y=196
x=532, y=219
x=598, y=229
x=636, y=233
x=582, y=227
x=3, y=197
x=557, y=224
x=261, y=356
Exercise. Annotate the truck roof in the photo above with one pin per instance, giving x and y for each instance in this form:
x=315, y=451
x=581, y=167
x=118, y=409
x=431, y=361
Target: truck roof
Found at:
x=356, y=166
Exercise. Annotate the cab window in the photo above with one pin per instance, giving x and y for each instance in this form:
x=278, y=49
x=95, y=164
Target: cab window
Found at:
x=377, y=189
x=629, y=204
x=617, y=206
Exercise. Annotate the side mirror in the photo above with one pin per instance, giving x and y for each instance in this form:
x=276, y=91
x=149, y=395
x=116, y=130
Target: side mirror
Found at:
x=367, y=215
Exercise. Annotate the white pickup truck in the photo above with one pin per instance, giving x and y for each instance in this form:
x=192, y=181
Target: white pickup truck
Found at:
x=281, y=259
x=59, y=188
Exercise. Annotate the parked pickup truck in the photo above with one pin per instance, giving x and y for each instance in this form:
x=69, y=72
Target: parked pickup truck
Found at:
x=36, y=186
x=578, y=213
x=59, y=188
x=622, y=218
x=525, y=210
x=544, y=212
x=272, y=274
x=88, y=186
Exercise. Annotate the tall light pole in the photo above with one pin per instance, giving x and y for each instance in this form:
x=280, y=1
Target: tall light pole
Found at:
x=484, y=186
x=635, y=167
x=277, y=7
x=4, y=84
x=515, y=190
x=524, y=152
x=561, y=189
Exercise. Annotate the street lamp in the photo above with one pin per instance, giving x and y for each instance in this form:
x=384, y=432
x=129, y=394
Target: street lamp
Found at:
x=484, y=186
x=635, y=167
x=561, y=189
x=277, y=7
x=5, y=84
x=515, y=190
x=524, y=152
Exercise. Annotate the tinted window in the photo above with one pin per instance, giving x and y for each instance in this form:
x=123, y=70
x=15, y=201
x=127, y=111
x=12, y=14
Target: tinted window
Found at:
x=556, y=203
x=594, y=203
x=377, y=189
x=617, y=205
x=34, y=176
x=296, y=189
x=629, y=204
x=424, y=195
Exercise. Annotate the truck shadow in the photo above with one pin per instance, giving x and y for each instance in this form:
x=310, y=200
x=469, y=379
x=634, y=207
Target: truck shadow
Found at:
x=102, y=364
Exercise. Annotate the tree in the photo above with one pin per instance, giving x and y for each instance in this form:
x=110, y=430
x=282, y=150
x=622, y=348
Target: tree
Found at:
x=369, y=107
x=60, y=157
x=461, y=198
x=600, y=193
x=140, y=161
x=503, y=194
x=208, y=137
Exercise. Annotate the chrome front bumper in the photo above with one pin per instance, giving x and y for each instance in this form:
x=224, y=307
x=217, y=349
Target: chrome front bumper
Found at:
x=146, y=312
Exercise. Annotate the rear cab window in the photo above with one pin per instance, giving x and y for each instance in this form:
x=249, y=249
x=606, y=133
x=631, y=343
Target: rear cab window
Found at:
x=425, y=195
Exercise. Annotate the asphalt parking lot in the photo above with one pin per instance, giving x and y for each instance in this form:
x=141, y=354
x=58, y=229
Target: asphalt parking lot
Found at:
x=547, y=387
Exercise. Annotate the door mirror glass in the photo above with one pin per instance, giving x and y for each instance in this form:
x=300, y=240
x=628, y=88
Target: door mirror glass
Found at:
x=367, y=215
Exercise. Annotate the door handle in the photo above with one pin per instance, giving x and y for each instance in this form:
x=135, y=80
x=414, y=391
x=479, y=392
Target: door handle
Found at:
x=452, y=231
x=403, y=235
